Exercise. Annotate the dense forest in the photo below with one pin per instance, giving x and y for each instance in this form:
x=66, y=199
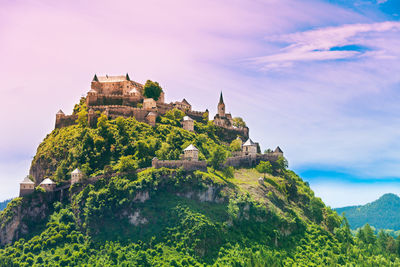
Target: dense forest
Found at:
x=383, y=213
x=169, y=217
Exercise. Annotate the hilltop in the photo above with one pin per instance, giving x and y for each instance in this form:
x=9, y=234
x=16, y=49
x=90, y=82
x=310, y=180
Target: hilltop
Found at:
x=127, y=192
x=383, y=213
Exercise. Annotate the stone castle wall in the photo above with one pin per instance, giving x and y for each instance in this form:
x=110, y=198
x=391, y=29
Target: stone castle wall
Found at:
x=174, y=164
x=250, y=160
x=102, y=99
x=65, y=120
x=115, y=88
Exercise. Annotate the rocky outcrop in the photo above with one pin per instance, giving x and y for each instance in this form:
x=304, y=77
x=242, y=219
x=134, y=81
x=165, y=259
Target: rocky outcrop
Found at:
x=39, y=169
x=209, y=194
x=16, y=220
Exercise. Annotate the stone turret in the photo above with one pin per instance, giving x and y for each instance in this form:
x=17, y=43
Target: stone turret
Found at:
x=278, y=151
x=48, y=185
x=76, y=176
x=26, y=187
x=188, y=124
x=249, y=148
x=221, y=106
x=59, y=116
x=151, y=118
x=191, y=153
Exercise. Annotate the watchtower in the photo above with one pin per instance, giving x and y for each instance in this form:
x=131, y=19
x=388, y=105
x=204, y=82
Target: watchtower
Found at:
x=191, y=153
x=188, y=124
x=26, y=187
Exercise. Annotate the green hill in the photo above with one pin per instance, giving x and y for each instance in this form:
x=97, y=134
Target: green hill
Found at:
x=383, y=213
x=169, y=217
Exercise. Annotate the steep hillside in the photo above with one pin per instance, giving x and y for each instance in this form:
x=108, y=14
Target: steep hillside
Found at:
x=383, y=213
x=170, y=217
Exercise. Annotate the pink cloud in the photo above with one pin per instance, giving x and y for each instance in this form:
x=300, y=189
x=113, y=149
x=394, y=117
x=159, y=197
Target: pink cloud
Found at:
x=315, y=45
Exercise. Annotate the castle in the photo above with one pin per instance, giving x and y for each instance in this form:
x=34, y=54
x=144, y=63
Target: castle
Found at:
x=119, y=96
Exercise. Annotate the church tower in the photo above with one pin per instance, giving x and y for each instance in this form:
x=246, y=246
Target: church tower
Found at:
x=221, y=106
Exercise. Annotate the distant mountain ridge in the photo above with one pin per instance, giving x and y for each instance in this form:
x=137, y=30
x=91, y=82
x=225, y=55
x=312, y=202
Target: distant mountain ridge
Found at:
x=383, y=213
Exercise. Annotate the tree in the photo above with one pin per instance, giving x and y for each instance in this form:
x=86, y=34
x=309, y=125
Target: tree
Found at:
x=316, y=208
x=239, y=122
x=82, y=118
x=368, y=234
x=217, y=157
x=236, y=145
x=152, y=90
x=126, y=164
x=281, y=164
x=264, y=167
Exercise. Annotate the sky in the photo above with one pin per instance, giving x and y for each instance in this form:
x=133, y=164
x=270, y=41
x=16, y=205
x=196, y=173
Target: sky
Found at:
x=319, y=78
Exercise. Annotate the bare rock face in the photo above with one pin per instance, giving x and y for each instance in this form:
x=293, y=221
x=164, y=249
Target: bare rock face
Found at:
x=14, y=222
x=137, y=219
x=210, y=194
x=38, y=170
x=142, y=196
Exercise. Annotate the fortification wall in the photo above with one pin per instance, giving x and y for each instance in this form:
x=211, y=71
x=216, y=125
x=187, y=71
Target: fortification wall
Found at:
x=65, y=120
x=101, y=99
x=163, y=107
x=25, y=192
x=174, y=164
x=250, y=160
x=115, y=111
x=196, y=115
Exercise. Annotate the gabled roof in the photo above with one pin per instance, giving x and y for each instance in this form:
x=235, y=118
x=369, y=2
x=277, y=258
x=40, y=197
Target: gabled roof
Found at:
x=95, y=79
x=249, y=143
x=278, y=150
x=47, y=181
x=76, y=171
x=190, y=148
x=60, y=112
x=187, y=118
x=27, y=181
x=184, y=101
x=107, y=78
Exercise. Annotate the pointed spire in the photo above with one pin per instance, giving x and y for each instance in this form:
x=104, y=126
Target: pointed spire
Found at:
x=221, y=99
x=127, y=77
x=95, y=78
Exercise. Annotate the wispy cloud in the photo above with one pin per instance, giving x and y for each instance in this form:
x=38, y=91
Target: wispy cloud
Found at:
x=329, y=43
